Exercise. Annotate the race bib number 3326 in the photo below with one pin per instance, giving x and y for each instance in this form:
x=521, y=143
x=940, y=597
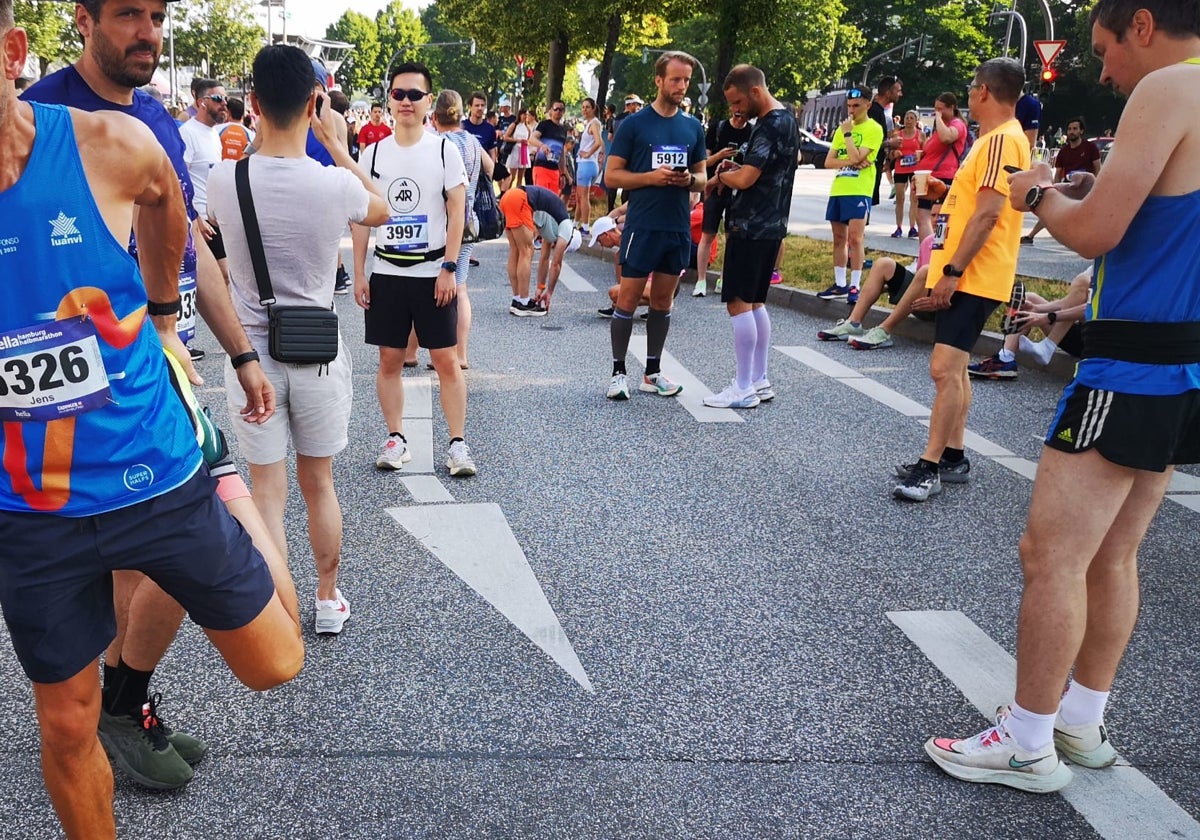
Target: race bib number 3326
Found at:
x=51, y=371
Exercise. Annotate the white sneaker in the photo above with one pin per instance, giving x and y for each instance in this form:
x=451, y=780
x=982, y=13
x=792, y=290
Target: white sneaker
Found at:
x=994, y=756
x=394, y=454
x=701, y=288
x=332, y=615
x=764, y=390
x=659, y=384
x=458, y=459
x=618, y=387
x=733, y=397
x=1086, y=745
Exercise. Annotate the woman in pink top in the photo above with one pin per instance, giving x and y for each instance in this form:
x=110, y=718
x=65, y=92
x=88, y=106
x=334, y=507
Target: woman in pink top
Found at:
x=906, y=161
x=944, y=151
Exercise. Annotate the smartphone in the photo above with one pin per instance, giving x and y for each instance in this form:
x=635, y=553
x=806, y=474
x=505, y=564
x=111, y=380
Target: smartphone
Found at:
x=679, y=168
x=319, y=101
x=1013, y=170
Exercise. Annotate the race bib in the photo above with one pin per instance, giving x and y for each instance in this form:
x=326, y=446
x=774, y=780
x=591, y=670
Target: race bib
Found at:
x=908, y=160
x=405, y=234
x=672, y=156
x=51, y=371
x=848, y=172
x=940, y=228
x=186, y=325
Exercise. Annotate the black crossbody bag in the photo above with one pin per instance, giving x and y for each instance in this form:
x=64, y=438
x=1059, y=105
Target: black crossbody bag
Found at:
x=296, y=335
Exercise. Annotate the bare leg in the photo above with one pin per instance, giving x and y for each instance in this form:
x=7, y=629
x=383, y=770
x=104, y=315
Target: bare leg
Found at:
x=453, y=387
x=315, y=477
x=389, y=385
x=872, y=288
x=948, y=369
x=903, y=308
x=270, y=485
x=410, y=352
x=464, y=323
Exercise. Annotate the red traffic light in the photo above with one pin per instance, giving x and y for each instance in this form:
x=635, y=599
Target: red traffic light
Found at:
x=529, y=74
x=1049, y=74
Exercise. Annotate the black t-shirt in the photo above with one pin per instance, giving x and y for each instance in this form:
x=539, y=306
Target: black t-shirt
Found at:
x=553, y=135
x=761, y=212
x=877, y=113
x=722, y=134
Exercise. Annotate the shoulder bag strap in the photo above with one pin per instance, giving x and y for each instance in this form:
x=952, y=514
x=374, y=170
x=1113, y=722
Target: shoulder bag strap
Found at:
x=241, y=178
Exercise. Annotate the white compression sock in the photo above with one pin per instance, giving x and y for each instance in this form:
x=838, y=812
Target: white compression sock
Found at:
x=856, y=277
x=839, y=276
x=1082, y=705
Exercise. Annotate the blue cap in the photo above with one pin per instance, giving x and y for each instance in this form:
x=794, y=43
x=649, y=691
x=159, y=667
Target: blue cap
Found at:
x=324, y=77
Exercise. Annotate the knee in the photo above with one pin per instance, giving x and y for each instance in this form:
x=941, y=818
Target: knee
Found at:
x=282, y=668
x=69, y=726
x=944, y=376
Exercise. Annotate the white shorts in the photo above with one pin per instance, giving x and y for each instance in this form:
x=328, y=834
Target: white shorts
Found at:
x=311, y=410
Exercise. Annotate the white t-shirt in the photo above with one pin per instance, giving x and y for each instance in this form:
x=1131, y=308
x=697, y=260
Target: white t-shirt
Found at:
x=412, y=179
x=302, y=209
x=202, y=151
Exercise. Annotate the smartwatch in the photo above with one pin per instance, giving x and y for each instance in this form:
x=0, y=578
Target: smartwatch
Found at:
x=1034, y=197
x=449, y=266
x=1052, y=317
x=951, y=271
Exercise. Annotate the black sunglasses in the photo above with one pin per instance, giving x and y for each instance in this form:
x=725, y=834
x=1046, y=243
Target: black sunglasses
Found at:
x=215, y=97
x=556, y=109
x=412, y=94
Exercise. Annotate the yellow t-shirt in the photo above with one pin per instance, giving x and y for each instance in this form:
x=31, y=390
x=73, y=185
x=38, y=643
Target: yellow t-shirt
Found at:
x=867, y=136
x=990, y=274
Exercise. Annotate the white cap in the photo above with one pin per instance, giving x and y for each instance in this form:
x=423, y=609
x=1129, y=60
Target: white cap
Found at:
x=576, y=241
x=603, y=225
x=634, y=99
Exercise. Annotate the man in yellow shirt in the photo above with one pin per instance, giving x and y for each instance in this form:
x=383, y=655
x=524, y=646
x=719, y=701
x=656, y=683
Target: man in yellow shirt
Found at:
x=976, y=240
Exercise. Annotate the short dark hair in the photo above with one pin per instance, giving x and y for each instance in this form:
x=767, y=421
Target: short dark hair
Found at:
x=478, y=94
x=1176, y=18
x=885, y=83
x=202, y=86
x=1004, y=77
x=660, y=66
x=92, y=7
x=339, y=101
x=237, y=108
x=375, y=105
x=1082, y=124
x=743, y=77
x=283, y=83
x=6, y=14
x=411, y=67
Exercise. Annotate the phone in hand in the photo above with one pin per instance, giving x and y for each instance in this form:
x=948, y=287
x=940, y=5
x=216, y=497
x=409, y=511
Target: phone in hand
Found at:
x=1013, y=170
x=679, y=168
x=320, y=101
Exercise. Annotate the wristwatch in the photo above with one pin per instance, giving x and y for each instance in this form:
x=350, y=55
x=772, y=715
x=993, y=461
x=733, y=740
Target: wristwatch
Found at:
x=244, y=359
x=1034, y=197
x=1052, y=317
x=449, y=266
x=951, y=271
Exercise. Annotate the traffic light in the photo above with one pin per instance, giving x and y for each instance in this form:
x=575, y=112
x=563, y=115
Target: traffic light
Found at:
x=1049, y=74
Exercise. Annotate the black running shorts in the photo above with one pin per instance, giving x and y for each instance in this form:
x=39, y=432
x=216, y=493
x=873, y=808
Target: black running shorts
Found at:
x=898, y=284
x=961, y=324
x=748, y=267
x=398, y=304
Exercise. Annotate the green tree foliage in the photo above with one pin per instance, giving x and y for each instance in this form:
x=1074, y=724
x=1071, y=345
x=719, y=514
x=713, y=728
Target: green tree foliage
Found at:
x=51, y=31
x=454, y=67
x=214, y=35
x=359, y=72
x=400, y=31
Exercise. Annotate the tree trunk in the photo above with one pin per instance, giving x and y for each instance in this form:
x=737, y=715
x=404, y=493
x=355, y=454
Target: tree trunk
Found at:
x=604, y=71
x=556, y=68
x=728, y=23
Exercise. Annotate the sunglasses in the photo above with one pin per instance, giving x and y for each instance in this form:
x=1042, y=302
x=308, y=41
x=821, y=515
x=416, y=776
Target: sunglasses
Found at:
x=556, y=109
x=412, y=94
x=215, y=97
x=855, y=93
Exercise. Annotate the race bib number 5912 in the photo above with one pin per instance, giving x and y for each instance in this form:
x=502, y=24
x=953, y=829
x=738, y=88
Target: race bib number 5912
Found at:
x=51, y=371
x=673, y=156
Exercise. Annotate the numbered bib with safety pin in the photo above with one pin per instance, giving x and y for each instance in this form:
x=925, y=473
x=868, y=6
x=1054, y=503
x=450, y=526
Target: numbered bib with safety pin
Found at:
x=908, y=160
x=405, y=234
x=672, y=156
x=940, y=228
x=51, y=371
x=186, y=325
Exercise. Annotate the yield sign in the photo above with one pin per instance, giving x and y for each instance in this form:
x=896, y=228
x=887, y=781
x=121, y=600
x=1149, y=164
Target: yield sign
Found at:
x=1048, y=50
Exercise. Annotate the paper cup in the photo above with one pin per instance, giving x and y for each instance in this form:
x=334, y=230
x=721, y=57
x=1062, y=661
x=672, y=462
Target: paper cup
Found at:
x=921, y=179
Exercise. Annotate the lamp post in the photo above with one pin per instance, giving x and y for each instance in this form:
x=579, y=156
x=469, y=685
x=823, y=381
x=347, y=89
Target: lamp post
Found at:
x=271, y=5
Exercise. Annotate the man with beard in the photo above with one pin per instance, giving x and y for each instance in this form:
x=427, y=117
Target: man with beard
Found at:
x=122, y=44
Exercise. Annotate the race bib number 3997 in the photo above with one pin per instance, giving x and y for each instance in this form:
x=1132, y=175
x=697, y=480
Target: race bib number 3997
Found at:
x=405, y=233
x=51, y=371
x=673, y=156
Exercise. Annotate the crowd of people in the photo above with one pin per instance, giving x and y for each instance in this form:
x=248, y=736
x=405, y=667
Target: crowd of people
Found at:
x=245, y=230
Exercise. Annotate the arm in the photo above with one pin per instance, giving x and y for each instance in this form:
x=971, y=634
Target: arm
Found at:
x=989, y=204
x=360, y=236
x=948, y=134
x=444, y=289
x=617, y=176
x=555, y=261
x=325, y=130
x=487, y=165
x=738, y=177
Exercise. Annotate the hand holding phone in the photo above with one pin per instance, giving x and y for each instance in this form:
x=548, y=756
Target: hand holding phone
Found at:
x=1013, y=170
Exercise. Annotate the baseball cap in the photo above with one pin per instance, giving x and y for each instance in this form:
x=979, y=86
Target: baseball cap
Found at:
x=324, y=77
x=576, y=241
x=603, y=225
x=634, y=99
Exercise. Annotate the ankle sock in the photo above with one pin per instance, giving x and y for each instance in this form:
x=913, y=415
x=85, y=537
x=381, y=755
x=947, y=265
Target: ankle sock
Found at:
x=1006, y=355
x=1029, y=729
x=952, y=456
x=1081, y=705
x=130, y=688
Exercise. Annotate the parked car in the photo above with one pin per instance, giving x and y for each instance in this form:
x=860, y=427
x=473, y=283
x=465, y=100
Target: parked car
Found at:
x=1104, y=144
x=812, y=150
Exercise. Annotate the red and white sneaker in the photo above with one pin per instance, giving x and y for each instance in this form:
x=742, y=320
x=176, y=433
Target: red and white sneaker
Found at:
x=994, y=757
x=332, y=615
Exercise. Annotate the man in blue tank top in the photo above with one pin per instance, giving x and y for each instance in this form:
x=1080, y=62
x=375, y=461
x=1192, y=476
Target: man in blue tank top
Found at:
x=83, y=490
x=122, y=44
x=1131, y=413
x=658, y=156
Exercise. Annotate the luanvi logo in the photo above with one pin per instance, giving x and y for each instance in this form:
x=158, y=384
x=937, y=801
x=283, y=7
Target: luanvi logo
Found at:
x=64, y=232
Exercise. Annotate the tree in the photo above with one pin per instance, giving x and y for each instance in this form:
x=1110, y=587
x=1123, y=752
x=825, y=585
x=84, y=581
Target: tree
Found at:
x=51, y=31
x=400, y=31
x=359, y=71
x=212, y=35
x=488, y=70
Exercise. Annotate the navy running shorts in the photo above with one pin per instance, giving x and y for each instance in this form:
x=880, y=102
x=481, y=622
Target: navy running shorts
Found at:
x=845, y=209
x=644, y=252
x=961, y=325
x=398, y=304
x=56, y=582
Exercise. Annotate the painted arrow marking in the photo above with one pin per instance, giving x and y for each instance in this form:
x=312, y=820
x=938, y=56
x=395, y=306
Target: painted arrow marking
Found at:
x=475, y=542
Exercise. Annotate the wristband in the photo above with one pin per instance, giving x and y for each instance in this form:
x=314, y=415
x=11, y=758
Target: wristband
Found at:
x=848, y=135
x=244, y=358
x=174, y=307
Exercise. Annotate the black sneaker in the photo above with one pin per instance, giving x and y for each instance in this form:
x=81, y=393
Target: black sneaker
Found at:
x=921, y=483
x=959, y=473
x=606, y=312
x=138, y=744
x=341, y=285
x=196, y=353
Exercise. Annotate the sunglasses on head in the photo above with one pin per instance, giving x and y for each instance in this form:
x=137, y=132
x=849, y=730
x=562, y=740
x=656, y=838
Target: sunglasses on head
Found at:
x=855, y=93
x=412, y=94
x=214, y=97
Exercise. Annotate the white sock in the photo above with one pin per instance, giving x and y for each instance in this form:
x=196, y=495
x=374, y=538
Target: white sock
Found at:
x=1042, y=350
x=1082, y=705
x=856, y=277
x=839, y=276
x=1031, y=731
x=1006, y=355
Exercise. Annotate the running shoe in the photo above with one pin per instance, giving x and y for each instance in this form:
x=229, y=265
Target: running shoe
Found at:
x=733, y=397
x=720, y=283
x=994, y=757
x=606, y=312
x=137, y=744
x=920, y=484
x=912, y=233
x=458, y=459
x=852, y=295
x=833, y=292
x=618, y=387
x=764, y=390
x=537, y=309
x=472, y=262
x=196, y=353
x=1026, y=240
x=1086, y=745
x=394, y=454
x=959, y=473
x=897, y=233
x=341, y=283
x=840, y=331
x=701, y=288
x=993, y=368
x=875, y=338
x=776, y=278
x=657, y=383
x=331, y=616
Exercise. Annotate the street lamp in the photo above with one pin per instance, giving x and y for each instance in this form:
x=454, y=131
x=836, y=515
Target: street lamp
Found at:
x=702, y=99
x=392, y=61
x=270, y=6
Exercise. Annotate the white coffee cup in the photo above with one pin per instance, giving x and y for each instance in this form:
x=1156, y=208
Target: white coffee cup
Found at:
x=921, y=178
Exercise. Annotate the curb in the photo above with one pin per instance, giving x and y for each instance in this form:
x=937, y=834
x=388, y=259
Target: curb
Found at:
x=1061, y=365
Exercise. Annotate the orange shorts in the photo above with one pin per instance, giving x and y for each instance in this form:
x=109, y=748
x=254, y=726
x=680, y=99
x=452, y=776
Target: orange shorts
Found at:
x=546, y=178
x=514, y=204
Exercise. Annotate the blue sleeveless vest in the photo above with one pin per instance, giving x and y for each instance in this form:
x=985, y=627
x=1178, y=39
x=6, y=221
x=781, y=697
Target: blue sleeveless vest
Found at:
x=88, y=419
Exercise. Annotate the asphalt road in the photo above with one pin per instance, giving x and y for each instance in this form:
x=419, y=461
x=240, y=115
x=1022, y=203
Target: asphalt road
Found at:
x=636, y=624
